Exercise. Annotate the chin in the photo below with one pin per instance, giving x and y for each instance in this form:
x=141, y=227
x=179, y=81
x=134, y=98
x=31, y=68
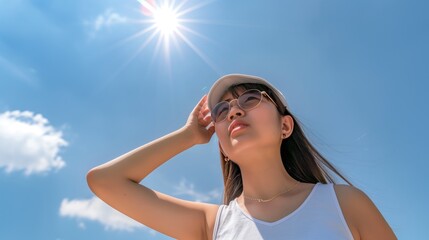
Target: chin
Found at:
x=246, y=145
x=242, y=145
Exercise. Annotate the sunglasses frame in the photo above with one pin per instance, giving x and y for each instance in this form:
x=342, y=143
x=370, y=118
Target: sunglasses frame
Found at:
x=263, y=93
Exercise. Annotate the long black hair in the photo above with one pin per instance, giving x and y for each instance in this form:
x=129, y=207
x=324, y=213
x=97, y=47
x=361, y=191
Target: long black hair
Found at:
x=300, y=158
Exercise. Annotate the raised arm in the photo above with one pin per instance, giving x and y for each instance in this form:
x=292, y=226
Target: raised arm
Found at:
x=117, y=182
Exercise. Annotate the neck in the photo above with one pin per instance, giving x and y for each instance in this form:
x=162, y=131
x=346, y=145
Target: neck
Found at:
x=264, y=176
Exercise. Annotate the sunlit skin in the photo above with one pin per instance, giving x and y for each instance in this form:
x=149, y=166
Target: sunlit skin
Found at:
x=117, y=181
x=263, y=130
x=255, y=147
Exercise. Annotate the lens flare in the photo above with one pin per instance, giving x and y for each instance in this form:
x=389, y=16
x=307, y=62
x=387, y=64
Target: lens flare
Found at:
x=147, y=6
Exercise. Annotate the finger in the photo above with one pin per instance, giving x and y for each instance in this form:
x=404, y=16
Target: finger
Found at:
x=205, y=116
x=210, y=129
x=205, y=111
x=205, y=119
x=208, y=118
x=198, y=107
x=210, y=125
x=204, y=122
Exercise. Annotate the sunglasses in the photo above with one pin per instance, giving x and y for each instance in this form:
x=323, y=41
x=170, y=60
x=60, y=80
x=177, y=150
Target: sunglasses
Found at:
x=246, y=101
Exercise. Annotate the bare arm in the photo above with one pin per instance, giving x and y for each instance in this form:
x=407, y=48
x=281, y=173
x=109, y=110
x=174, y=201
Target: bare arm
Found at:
x=364, y=219
x=117, y=182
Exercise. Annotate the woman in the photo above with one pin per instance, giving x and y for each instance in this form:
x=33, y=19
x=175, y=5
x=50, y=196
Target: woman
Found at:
x=277, y=186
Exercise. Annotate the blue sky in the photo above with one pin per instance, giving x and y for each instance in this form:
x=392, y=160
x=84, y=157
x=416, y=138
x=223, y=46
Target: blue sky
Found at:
x=79, y=86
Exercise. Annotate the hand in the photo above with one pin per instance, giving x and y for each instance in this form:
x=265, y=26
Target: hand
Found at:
x=199, y=123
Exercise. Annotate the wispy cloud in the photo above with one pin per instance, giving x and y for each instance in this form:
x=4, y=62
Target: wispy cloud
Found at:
x=186, y=188
x=106, y=20
x=29, y=143
x=21, y=73
x=94, y=209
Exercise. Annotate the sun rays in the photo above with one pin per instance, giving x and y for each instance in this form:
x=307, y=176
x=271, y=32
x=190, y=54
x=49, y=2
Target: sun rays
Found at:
x=163, y=22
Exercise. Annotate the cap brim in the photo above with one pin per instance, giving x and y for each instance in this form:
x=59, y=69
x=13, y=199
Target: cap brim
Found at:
x=222, y=84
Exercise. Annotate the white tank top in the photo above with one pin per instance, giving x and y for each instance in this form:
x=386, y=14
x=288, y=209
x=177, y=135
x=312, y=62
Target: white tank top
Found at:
x=318, y=217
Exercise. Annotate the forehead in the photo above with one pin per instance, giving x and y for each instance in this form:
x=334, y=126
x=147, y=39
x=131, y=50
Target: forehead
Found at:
x=232, y=94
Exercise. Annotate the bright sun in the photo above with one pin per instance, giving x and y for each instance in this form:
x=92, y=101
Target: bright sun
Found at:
x=166, y=20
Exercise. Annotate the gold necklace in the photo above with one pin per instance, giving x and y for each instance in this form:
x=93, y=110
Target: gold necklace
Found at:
x=272, y=198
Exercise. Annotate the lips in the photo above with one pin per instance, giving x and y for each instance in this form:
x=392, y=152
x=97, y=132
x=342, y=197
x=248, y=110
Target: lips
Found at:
x=236, y=124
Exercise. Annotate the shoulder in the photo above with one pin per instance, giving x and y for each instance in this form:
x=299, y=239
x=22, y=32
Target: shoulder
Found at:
x=361, y=214
x=353, y=202
x=350, y=194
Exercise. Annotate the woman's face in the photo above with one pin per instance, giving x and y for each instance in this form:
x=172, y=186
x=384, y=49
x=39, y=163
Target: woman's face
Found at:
x=244, y=131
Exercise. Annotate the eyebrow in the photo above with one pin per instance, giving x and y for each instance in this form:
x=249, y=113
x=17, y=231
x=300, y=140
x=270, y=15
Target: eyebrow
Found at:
x=228, y=99
x=231, y=93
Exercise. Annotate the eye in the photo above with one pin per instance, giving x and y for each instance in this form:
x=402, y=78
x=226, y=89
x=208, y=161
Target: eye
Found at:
x=250, y=99
x=220, y=110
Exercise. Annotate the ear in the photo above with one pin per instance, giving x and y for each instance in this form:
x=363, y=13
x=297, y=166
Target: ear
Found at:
x=287, y=125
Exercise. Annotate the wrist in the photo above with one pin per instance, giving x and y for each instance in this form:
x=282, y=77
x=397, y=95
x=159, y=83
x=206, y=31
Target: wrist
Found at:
x=187, y=135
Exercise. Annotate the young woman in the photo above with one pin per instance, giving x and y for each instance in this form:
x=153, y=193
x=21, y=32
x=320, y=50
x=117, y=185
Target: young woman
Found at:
x=277, y=186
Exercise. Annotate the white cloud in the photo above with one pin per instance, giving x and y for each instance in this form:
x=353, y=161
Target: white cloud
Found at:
x=106, y=19
x=96, y=210
x=185, y=188
x=29, y=143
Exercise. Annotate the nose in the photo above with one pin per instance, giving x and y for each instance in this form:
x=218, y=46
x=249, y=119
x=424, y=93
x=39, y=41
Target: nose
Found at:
x=235, y=110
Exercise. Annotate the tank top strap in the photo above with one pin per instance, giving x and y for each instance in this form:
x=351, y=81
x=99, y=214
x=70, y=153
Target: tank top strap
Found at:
x=218, y=220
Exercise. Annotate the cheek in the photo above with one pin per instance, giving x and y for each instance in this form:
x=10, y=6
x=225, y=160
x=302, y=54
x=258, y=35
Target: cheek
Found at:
x=269, y=127
x=265, y=131
x=224, y=141
x=221, y=131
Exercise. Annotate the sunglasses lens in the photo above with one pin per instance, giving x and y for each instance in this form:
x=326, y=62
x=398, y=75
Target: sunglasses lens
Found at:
x=246, y=101
x=220, y=111
x=250, y=99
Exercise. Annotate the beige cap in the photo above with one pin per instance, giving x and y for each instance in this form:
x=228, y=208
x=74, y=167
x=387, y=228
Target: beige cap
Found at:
x=222, y=84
